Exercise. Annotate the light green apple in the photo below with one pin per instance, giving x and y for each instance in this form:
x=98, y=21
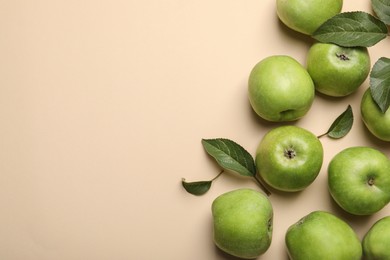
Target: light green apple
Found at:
x=359, y=180
x=242, y=223
x=305, y=16
x=337, y=71
x=289, y=158
x=377, y=123
x=376, y=242
x=280, y=89
x=321, y=235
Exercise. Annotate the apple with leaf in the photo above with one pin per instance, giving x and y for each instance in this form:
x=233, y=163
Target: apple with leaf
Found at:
x=360, y=29
x=329, y=237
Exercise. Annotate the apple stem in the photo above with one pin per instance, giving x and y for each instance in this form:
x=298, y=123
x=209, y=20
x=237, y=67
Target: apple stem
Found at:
x=262, y=186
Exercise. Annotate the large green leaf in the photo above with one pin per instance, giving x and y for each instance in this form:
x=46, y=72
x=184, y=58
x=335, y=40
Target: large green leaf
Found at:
x=230, y=155
x=352, y=29
x=382, y=10
x=380, y=83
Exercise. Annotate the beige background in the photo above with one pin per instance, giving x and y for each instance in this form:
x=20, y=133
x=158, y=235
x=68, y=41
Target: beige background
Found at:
x=103, y=105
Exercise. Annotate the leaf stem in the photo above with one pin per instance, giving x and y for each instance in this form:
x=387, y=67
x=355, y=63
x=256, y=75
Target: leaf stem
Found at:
x=319, y=136
x=219, y=174
x=262, y=186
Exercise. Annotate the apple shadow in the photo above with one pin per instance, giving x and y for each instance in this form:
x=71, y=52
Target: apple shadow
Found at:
x=259, y=120
x=265, y=123
x=320, y=96
x=351, y=219
x=227, y=256
x=287, y=196
x=375, y=141
x=328, y=98
x=297, y=36
x=336, y=100
x=219, y=252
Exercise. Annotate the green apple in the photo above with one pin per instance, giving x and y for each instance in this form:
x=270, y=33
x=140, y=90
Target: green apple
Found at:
x=242, y=223
x=376, y=242
x=321, y=235
x=280, y=89
x=305, y=16
x=289, y=158
x=359, y=180
x=337, y=71
x=377, y=123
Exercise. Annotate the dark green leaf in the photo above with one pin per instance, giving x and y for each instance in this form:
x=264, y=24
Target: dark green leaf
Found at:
x=197, y=187
x=230, y=155
x=382, y=10
x=380, y=83
x=352, y=29
x=342, y=125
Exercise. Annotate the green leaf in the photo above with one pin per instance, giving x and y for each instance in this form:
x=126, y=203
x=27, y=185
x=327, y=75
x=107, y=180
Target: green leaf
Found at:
x=342, y=125
x=230, y=155
x=197, y=187
x=382, y=10
x=352, y=29
x=380, y=83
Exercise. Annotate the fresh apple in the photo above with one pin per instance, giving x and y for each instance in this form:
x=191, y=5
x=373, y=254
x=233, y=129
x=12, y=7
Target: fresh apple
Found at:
x=280, y=89
x=289, y=158
x=359, y=180
x=321, y=235
x=305, y=16
x=377, y=123
x=376, y=242
x=242, y=223
x=337, y=71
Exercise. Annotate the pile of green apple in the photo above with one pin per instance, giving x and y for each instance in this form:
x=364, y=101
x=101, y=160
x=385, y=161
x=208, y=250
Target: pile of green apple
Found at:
x=289, y=158
x=281, y=89
x=358, y=180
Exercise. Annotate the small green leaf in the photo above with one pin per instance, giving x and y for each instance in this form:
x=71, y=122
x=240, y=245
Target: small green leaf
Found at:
x=382, y=10
x=380, y=83
x=342, y=125
x=197, y=187
x=351, y=29
x=230, y=155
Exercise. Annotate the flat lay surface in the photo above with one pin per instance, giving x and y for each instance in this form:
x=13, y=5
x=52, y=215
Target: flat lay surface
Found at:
x=104, y=104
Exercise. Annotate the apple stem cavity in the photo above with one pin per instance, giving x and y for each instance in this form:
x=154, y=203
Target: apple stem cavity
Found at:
x=342, y=56
x=289, y=153
x=371, y=181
